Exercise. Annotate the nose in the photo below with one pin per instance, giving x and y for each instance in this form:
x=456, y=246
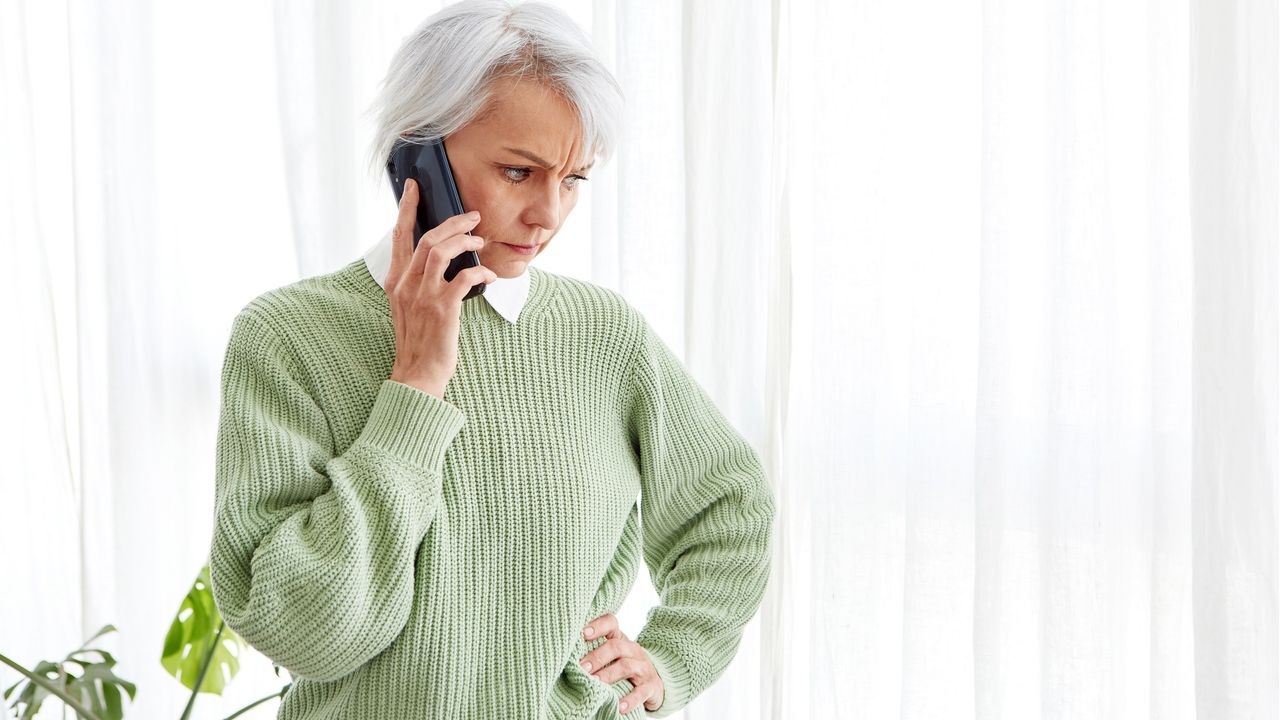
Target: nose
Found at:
x=544, y=206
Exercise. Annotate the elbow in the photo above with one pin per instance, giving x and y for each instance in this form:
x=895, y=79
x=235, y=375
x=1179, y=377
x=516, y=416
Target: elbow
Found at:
x=318, y=649
x=310, y=634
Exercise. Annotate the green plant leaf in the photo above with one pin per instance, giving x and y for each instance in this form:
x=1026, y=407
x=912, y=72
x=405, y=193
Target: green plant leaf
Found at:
x=29, y=699
x=107, y=657
x=98, y=689
x=191, y=635
x=105, y=629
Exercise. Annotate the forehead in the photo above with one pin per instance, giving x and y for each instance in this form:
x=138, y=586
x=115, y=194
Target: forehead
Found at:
x=529, y=115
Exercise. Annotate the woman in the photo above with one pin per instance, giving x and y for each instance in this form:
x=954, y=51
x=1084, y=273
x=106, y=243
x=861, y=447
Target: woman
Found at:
x=429, y=507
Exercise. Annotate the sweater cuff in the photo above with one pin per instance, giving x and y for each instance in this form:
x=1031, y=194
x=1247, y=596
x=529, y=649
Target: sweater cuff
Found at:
x=675, y=680
x=412, y=425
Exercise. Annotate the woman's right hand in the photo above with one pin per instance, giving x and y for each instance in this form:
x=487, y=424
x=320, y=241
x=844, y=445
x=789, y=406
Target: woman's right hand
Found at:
x=425, y=308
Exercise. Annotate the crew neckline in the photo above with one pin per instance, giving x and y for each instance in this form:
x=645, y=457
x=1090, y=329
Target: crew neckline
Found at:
x=541, y=288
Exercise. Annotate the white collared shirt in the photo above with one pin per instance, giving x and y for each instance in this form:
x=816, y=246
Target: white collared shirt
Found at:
x=506, y=295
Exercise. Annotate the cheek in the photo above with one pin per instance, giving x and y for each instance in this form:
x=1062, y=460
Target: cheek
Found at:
x=479, y=196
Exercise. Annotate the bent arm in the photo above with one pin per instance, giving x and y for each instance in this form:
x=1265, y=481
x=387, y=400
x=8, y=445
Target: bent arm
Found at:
x=706, y=514
x=312, y=557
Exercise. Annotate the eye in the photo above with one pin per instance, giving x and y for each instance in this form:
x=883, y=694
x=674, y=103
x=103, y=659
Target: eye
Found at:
x=506, y=175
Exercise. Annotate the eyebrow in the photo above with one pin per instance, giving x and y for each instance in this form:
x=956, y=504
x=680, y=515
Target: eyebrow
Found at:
x=543, y=163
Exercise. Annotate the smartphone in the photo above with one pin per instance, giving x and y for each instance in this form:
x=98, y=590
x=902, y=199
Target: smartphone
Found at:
x=438, y=199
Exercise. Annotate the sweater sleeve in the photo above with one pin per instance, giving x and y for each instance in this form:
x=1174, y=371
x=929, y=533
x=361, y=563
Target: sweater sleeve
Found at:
x=313, y=550
x=706, y=516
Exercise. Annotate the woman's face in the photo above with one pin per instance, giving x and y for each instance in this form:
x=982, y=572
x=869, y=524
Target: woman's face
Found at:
x=513, y=166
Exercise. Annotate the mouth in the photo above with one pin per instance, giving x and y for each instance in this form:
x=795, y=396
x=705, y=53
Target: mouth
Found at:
x=523, y=249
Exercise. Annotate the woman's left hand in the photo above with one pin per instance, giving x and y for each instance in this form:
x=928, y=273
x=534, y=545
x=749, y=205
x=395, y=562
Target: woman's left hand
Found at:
x=619, y=657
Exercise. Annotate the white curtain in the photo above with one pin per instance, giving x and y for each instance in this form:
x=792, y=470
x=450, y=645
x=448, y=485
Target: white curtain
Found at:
x=991, y=285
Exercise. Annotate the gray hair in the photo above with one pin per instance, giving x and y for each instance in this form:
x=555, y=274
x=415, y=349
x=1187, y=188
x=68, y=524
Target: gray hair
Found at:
x=441, y=76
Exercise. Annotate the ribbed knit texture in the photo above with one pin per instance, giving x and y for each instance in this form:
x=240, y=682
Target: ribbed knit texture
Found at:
x=405, y=556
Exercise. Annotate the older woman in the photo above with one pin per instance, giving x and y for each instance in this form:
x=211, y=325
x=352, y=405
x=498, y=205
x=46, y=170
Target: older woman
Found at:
x=429, y=507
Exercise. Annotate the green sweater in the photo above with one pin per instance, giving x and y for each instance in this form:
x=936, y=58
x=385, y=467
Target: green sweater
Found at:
x=404, y=556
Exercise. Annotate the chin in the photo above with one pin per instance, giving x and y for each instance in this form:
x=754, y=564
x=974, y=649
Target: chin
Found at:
x=511, y=269
x=504, y=265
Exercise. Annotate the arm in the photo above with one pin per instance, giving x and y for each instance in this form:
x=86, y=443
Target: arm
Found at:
x=312, y=558
x=706, y=516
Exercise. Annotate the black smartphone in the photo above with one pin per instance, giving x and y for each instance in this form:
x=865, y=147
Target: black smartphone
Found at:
x=438, y=199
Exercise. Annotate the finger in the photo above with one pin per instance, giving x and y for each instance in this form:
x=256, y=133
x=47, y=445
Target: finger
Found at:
x=654, y=702
x=444, y=252
x=608, y=651
x=636, y=697
x=458, y=225
x=402, y=233
x=593, y=661
x=623, y=667
x=601, y=626
x=467, y=277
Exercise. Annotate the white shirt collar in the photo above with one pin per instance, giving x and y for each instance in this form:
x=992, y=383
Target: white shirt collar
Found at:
x=506, y=295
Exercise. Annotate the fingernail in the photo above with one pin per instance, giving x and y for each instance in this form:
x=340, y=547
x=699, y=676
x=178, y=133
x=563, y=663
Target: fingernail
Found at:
x=590, y=631
x=622, y=706
x=586, y=666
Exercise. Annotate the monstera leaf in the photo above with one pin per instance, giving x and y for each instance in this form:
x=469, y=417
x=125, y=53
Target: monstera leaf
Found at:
x=200, y=648
x=93, y=694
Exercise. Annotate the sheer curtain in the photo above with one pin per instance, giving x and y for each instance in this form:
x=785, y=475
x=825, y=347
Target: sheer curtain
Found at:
x=992, y=287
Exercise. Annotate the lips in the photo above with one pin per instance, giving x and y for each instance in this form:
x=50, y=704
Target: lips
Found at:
x=528, y=250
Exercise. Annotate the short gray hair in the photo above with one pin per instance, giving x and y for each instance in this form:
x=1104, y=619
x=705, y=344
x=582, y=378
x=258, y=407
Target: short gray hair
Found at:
x=441, y=76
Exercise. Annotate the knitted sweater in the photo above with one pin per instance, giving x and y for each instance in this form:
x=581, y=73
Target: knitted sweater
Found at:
x=406, y=556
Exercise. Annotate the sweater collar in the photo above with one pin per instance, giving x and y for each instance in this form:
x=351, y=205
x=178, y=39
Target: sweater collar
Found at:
x=506, y=295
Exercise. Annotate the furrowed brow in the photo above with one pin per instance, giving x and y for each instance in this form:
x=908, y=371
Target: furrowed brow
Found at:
x=543, y=163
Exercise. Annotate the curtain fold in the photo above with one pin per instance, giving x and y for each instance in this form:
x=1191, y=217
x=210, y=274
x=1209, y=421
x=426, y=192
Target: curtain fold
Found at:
x=991, y=286
x=1235, y=222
